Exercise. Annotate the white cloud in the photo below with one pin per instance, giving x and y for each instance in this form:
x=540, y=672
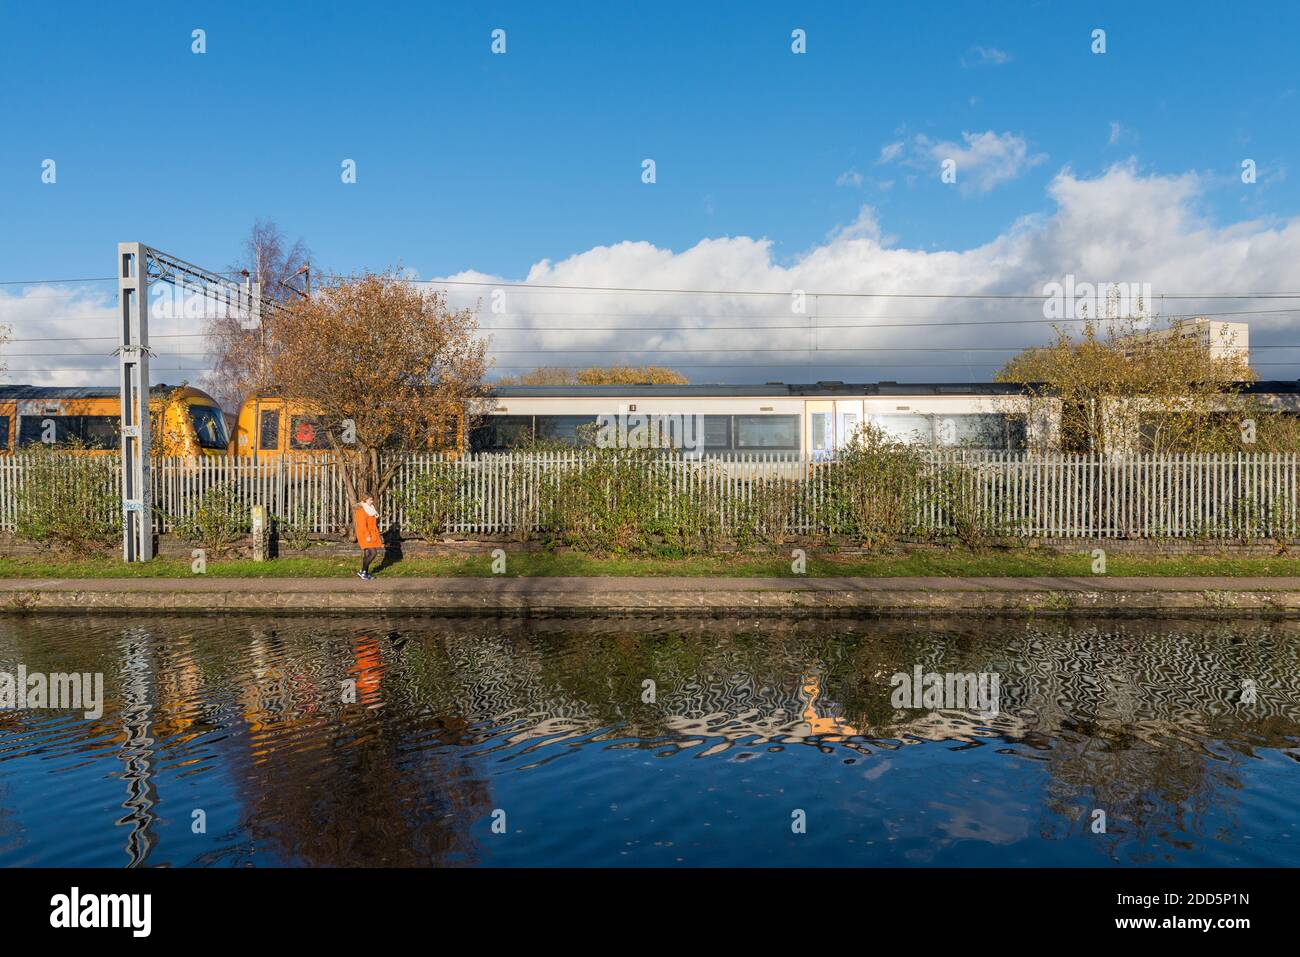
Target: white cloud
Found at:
x=1115, y=130
x=1120, y=226
x=985, y=56
x=866, y=226
x=983, y=160
x=76, y=323
x=849, y=178
x=891, y=152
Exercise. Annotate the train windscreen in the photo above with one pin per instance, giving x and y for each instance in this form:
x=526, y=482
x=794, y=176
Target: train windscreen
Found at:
x=209, y=426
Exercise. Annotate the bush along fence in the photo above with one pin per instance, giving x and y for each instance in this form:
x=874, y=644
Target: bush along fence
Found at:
x=645, y=500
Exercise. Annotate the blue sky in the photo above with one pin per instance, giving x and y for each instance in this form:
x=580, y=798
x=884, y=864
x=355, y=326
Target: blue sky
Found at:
x=472, y=161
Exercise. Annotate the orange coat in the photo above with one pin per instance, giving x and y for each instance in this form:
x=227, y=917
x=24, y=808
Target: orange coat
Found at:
x=367, y=529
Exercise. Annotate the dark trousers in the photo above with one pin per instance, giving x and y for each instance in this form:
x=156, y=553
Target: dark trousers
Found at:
x=368, y=555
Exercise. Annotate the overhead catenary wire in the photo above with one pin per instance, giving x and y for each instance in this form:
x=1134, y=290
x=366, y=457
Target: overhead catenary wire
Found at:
x=812, y=322
x=654, y=290
x=809, y=293
x=799, y=353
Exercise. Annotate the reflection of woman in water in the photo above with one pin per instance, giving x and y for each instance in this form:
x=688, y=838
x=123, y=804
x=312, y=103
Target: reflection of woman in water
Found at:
x=811, y=690
x=367, y=669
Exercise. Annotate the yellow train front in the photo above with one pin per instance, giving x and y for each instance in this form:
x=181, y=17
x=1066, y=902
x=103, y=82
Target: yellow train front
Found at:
x=270, y=426
x=184, y=421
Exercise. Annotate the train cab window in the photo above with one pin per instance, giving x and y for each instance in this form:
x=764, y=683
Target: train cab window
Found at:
x=717, y=431
x=306, y=432
x=763, y=432
x=567, y=429
x=209, y=427
x=4, y=433
x=268, y=429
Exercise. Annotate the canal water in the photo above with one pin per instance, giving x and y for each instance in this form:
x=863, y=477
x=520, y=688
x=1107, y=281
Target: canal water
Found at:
x=233, y=741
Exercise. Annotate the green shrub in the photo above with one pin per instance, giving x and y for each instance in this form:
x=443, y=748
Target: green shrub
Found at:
x=874, y=490
x=69, y=502
x=219, y=522
x=429, y=499
x=293, y=530
x=607, y=501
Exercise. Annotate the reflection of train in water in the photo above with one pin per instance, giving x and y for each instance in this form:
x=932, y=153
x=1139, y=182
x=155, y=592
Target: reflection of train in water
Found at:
x=183, y=420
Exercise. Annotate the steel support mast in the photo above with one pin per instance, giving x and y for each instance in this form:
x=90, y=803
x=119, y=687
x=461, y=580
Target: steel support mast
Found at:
x=133, y=350
x=137, y=265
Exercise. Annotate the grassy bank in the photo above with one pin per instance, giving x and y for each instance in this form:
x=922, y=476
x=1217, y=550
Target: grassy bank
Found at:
x=947, y=563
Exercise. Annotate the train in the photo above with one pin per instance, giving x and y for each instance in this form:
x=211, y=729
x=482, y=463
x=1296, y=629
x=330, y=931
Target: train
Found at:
x=184, y=421
x=774, y=419
x=810, y=420
x=269, y=426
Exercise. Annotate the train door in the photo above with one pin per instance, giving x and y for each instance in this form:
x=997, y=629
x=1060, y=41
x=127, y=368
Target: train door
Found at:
x=269, y=426
x=821, y=428
x=848, y=419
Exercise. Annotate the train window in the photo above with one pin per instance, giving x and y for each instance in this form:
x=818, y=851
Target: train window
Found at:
x=568, y=429
x=306, y=432
x=101, y=431
x=4, y=432
x=33, y=429
x=982, y=430
x=209, y=426
x=767, y=432
x=905, y=428
x=970, y=431
x=502, y=432
x=93, y=431
x=268, y=436
x=717, y=431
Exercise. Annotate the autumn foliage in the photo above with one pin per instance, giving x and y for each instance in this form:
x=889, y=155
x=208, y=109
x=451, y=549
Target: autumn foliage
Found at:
x=1120, y=377
x=383, y=364
x=599, y=375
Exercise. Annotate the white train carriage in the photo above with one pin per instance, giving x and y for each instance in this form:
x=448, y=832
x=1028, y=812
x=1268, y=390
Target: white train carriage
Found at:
x=774, y=419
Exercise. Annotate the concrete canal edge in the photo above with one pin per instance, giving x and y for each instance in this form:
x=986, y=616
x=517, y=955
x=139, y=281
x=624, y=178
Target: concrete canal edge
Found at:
x=663, y=597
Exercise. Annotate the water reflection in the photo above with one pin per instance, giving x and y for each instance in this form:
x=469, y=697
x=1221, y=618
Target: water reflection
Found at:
x=391, y=742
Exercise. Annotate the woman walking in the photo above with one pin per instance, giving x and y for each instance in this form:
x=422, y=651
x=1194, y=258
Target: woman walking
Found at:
x=366, y=519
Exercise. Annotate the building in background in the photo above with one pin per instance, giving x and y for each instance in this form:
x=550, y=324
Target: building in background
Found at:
x=1224, y=340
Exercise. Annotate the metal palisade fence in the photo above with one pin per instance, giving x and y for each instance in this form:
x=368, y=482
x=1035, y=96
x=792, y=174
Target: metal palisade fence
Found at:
x=1238, y=496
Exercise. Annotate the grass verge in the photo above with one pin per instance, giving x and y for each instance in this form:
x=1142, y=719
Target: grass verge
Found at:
x=948, y=563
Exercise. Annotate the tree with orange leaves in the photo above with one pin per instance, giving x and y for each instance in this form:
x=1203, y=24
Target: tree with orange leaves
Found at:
x=383, y=365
